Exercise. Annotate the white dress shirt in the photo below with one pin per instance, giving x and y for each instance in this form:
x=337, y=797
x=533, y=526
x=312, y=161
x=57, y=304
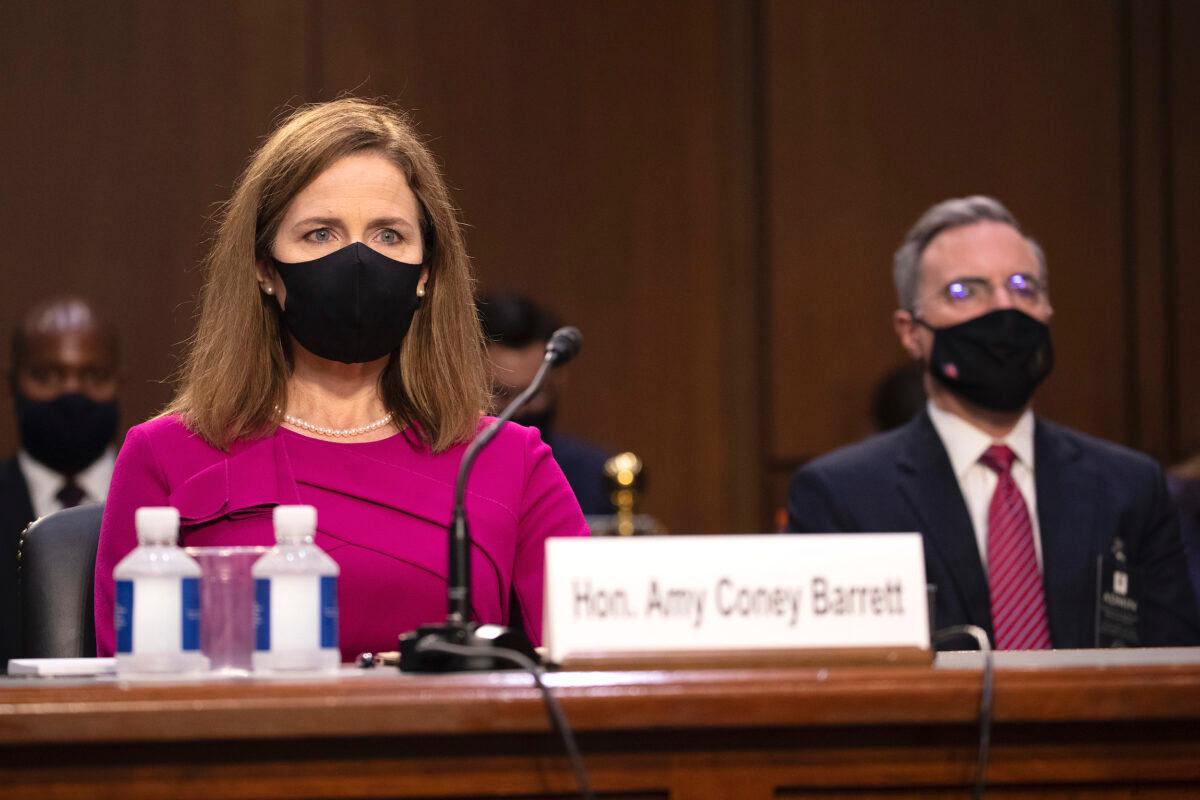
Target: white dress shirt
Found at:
x=44, y=483
x=965, y=444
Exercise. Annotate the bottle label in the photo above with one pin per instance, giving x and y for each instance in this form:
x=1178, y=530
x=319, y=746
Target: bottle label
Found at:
x=123, y=617
x=329, y=612
x=190, y=623
x=262, y=614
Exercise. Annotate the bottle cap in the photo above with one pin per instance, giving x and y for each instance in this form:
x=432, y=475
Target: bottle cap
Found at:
x=293, y=523
x=157, y=524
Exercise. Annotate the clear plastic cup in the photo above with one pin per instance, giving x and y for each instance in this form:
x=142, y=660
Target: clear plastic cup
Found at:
x=227, y=606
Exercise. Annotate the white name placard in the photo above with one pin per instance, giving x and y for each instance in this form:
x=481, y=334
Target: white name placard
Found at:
x=632, y=595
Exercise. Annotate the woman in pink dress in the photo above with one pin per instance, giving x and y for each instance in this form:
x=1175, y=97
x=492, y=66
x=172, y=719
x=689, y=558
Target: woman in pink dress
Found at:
x=338, y=362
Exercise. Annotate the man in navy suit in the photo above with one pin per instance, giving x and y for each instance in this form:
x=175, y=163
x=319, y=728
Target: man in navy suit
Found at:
x=1040, y=535
x=517, y=330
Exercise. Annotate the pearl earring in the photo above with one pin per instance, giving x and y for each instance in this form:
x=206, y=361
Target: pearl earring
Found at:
x=420, y=291
x=269, y=289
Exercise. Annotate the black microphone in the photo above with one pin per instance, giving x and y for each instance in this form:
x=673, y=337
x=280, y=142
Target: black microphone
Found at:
x=459, y=627
x=564, y=345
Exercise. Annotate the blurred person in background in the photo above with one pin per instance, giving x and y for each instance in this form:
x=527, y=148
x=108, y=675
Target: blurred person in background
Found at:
x=1184, y=483
x=64, y=382
x=1018, y=515
x=517, y=330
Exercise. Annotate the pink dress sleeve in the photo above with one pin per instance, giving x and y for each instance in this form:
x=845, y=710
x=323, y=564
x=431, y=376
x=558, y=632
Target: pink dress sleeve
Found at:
x=137, y=481
x=548, y=508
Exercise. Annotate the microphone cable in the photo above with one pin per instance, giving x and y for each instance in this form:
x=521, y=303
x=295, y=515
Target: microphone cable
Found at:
x=558, y=720
x=985, y=698
x=562, y=727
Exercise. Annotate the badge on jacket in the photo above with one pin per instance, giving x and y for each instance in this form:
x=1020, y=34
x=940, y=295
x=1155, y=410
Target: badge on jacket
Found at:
x=1117, y=604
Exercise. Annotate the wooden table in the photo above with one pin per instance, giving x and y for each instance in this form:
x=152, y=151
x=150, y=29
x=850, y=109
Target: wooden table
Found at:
x=1109, y=731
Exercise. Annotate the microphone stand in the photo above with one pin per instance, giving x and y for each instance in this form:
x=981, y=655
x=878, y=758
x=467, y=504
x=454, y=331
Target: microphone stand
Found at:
x=459, y=628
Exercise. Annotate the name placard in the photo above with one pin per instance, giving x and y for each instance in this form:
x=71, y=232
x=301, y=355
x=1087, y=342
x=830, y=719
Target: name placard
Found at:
x=715, y=593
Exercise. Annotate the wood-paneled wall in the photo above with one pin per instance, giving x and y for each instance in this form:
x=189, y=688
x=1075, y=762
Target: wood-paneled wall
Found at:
x=1180, y=171
x=711, y=190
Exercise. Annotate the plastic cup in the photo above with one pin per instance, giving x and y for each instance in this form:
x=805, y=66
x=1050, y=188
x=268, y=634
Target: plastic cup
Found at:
x=227, y=606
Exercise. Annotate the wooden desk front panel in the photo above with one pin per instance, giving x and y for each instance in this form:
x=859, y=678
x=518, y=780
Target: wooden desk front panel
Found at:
x=860, y=733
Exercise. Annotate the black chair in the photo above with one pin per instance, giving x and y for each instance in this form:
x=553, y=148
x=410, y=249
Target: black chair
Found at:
x=56, y=572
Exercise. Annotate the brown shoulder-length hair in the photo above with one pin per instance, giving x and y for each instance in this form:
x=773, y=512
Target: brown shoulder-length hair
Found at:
x=235, y=373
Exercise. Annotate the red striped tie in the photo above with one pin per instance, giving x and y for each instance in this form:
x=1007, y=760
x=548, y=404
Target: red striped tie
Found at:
x=1015, y=583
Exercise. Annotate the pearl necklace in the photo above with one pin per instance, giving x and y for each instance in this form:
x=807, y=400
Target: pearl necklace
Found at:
x=336, y=432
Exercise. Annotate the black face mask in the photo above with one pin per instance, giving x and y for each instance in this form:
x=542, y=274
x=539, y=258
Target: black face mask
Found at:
x=994, y=361
x=353, y=305
x=68, y=433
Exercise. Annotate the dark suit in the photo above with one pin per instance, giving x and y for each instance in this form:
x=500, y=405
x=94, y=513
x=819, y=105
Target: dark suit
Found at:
x=583, y=464
x=16, y=512
x=1187, y=500
x=1088, y=492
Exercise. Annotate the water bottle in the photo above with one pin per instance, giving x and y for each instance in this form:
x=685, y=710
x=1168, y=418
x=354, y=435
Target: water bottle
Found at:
x=157, y=611
x=295, y=598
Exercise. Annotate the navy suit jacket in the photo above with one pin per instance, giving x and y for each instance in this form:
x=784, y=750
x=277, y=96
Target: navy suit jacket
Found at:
x=583, y=464
x=16, y=511
x=1088, y=492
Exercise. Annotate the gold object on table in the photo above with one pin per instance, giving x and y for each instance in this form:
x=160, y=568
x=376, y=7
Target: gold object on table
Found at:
x=624, y=474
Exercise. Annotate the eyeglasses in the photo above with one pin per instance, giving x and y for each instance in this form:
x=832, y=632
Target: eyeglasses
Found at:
x=1024, y=289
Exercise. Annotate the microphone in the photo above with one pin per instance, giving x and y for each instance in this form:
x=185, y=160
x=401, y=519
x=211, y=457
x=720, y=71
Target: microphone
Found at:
x=459, y=628
x=564, y=345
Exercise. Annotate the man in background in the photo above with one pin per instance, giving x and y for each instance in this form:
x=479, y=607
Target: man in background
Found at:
x=1040, y=535
x=63, y=378
x=517, y=331
x=1183, y=480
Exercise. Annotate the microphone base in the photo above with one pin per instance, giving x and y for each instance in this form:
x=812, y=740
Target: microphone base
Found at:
x=465, y=634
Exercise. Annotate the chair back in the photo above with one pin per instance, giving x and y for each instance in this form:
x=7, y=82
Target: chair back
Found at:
x=56, y=572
